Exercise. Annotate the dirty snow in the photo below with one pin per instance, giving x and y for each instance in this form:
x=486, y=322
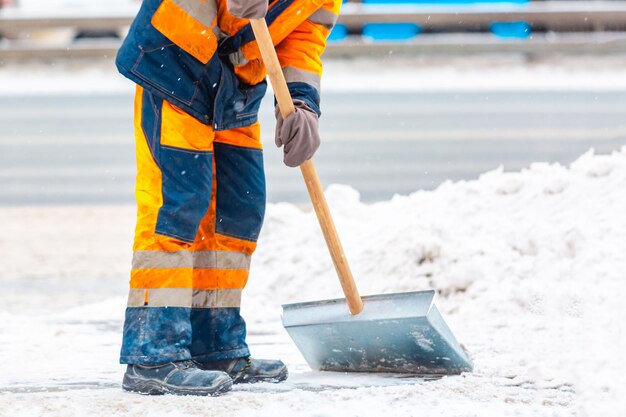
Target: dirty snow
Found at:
x=529, y=267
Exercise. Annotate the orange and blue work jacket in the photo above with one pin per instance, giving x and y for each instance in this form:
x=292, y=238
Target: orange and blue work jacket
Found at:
x=197, y=56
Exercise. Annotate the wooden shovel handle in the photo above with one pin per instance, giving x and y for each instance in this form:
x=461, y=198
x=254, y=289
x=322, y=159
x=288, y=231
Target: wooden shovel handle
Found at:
x=285, y=104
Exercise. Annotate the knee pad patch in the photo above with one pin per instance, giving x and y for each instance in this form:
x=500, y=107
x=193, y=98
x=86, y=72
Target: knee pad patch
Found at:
x=240, y=199
x=186, y=189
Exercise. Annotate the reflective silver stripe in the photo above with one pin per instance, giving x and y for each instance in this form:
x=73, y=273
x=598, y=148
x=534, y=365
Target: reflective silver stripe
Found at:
x=216, y=298
x=220, y=259
x=186, y=259
x=159, y=259
x=293, y=74
x=184, y=297
x=136, y=297
x=324, y=17
x=204, y=11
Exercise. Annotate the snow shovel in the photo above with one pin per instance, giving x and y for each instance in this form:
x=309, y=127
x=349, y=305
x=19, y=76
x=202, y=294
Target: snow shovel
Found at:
x=402, y=332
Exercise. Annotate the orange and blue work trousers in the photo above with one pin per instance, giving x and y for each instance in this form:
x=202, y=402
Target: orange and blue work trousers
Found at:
x=201, y=201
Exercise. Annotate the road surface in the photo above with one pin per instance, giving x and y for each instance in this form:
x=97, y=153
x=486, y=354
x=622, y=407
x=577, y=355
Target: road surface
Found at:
x=79, y=149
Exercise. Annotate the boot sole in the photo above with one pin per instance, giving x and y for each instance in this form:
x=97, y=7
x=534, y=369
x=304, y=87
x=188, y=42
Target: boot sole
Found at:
x=283, y=375
x=156, y=387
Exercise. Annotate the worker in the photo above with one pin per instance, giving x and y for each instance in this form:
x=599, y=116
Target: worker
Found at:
x=200, y=185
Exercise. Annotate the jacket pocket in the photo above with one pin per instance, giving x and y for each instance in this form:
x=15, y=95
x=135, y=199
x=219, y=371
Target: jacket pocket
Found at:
x=236, y=104
x=171, y=70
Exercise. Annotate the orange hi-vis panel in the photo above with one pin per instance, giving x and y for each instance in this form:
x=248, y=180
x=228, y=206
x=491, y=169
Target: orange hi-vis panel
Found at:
x=191, y=275
x=217, y=260
x=199, y=57
x=189, y=23
x=200, y=186
x=299, y=34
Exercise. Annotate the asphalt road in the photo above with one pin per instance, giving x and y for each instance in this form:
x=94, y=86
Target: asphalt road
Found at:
x=79, y=149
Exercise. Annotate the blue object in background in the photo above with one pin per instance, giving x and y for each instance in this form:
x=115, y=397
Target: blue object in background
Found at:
x=339, y=33
x=520, y=30
x=390, y=31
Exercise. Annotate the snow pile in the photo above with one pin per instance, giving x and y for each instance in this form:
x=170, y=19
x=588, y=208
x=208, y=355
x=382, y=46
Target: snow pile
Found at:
x=529, y=266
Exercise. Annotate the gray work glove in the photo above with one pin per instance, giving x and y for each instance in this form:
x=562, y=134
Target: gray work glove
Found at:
x=299, y=133
x=247, y=9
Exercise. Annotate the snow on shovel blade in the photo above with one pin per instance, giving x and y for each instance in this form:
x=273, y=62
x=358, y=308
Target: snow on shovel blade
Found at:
x=401, y=332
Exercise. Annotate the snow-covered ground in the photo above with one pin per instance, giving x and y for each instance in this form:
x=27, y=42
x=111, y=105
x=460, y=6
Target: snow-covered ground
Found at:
x=530, y=268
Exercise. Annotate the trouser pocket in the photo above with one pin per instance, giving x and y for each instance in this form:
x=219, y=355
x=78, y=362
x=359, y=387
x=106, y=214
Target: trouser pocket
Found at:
x=186, y=190
x=182, y=148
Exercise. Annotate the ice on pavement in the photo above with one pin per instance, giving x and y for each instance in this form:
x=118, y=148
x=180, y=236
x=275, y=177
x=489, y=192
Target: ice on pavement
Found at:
x=529, y=267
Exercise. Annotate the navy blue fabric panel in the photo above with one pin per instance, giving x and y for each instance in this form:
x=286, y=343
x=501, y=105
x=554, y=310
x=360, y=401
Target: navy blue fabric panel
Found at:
x=165, y=66
x=156, y=335
x=218, y=333
x=240, y=199
x=307, y=93
x=237, y=104
x=186, y=188
x=151, y=60
x=151, y=122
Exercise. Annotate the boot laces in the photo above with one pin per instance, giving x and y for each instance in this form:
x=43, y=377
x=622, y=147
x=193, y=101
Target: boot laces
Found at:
x=241, y=373
x=186, y=365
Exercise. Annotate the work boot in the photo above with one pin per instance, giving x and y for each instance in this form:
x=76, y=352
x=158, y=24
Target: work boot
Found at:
x=180, y=378
x=247, y=370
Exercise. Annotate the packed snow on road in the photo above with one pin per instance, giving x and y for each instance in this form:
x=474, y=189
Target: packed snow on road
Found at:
x=529, y=267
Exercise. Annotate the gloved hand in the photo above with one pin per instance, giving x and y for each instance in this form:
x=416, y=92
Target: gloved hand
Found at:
x=298, y=133
x=247, y=9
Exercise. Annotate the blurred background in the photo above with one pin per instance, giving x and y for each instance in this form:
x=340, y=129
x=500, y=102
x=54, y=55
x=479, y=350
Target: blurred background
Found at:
x=415, y=92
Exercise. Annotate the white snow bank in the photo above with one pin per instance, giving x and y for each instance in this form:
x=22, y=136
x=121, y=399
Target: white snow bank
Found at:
x=529, y=266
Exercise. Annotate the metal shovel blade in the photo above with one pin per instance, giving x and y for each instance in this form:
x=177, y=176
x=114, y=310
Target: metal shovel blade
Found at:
x=401, y=332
